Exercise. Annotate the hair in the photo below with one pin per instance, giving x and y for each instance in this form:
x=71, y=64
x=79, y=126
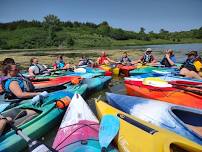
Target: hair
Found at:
x=32, y=59
x=8, y=61
x=7, y=68
x=60, y=57
x=125, y=53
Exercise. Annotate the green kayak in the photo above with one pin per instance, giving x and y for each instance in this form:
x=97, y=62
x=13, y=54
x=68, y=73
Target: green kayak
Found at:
x=44, y=118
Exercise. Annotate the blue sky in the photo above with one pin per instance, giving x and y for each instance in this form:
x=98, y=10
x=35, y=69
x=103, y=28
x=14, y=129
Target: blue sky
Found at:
x=172, y=15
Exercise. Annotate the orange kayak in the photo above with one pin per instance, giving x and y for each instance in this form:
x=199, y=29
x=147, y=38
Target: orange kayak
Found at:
x=172, y=95
x=124, y=69
x=53, y=82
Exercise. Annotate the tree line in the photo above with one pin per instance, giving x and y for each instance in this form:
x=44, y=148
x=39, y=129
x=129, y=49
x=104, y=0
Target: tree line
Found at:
x=52, y=32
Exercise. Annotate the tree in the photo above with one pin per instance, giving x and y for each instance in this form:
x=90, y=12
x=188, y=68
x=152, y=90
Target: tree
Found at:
x=142, y=30
x=103, y=28
x=51, y=23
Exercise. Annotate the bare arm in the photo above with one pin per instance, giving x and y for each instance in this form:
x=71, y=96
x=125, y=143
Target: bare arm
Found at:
x=31, y=73
x=169, y=60
x=110, y=60
x=17, y=91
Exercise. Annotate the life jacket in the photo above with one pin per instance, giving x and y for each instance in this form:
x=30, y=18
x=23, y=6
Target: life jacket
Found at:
x=85, y=61
x=165, y=62
x=60, y=64
x=40, y=68
x=125, y=60
x=24, y=84
x=189, y=64
x=102, y=59
x=147, y=58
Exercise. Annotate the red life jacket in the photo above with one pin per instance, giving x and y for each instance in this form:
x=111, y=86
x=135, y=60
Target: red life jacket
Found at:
x=102, y=59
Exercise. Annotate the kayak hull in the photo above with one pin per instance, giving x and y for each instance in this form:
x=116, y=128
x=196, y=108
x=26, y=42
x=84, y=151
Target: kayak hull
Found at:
x=161, y=114
x=170, y=95
x=155, y=139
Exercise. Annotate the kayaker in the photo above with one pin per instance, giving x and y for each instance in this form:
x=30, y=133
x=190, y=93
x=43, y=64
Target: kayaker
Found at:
x=192, y=66
x=14, y=86
x=169, y=59
x=36, y=68
x=103, y=59
x=125, y=60
x=60, y=64
x=85, y=61
x=147, y=58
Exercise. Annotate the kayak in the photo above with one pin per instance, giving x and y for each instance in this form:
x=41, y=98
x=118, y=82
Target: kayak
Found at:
x=94, y=70
x=97, y=83
x=138, y=135
x=178, y=79
x=124, y=69
x=184, y=121
x=79, y=129
x=67, y=89
x=52, y=82
x=151, y=69
x=35, y=126
x=168, y=94
x=114, y=70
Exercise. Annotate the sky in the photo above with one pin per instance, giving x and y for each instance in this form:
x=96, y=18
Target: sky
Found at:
x=172, y=15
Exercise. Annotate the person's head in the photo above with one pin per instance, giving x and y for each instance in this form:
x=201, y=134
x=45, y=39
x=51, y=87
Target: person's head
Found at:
x=170, y=52
x=34, y=60
x=148, y=51
x=125, y=54
x=192, y=54
x=10, y=70
x=60, y=57
x=8, y=61
x=103, y=54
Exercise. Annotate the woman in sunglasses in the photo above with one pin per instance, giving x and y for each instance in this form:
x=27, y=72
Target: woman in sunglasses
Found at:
x=14, y=86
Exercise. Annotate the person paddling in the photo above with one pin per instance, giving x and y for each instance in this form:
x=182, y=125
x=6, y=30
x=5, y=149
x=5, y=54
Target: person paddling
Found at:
x=147, y=58
x=103, y=59
x=192, y=66
x=169, y=59
x=60, y=64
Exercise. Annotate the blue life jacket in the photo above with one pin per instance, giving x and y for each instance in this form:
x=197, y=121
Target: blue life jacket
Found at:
x=60, y=64
x=24, y=84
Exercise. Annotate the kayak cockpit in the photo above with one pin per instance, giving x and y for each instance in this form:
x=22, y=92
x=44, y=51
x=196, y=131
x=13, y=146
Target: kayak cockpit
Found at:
x=190, y=119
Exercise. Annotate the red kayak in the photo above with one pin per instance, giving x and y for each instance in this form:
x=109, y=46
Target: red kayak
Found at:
x=168, y=94
x=124, y=69
x=51, y=82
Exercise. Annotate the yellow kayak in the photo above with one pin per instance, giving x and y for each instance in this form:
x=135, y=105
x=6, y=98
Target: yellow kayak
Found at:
x=136, y=135
x=115, y=70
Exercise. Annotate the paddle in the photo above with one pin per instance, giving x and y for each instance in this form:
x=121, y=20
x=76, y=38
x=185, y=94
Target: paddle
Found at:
x=109, y=128
x=34, y=145
x=186, y=85
x=146, y=82
x=187, y=90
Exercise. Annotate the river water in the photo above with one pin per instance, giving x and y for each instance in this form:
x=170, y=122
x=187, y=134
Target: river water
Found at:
x=179, y=49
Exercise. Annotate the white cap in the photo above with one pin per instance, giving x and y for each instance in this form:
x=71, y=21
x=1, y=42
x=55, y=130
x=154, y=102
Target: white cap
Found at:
x=149, y=50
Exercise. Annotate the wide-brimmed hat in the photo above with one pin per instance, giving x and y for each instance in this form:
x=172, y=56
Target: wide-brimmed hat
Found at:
x=195, y=53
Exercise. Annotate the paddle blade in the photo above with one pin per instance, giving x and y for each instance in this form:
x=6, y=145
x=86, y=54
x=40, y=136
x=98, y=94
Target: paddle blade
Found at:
x=109, y=128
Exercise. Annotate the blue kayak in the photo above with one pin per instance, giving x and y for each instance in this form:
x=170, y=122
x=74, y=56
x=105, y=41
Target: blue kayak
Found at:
x=181, y=120
x=97, y=83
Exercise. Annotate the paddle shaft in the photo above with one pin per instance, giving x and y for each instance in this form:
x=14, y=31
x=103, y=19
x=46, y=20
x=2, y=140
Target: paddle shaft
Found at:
x=187, y=85
x=34, y=146
x=187, y=90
